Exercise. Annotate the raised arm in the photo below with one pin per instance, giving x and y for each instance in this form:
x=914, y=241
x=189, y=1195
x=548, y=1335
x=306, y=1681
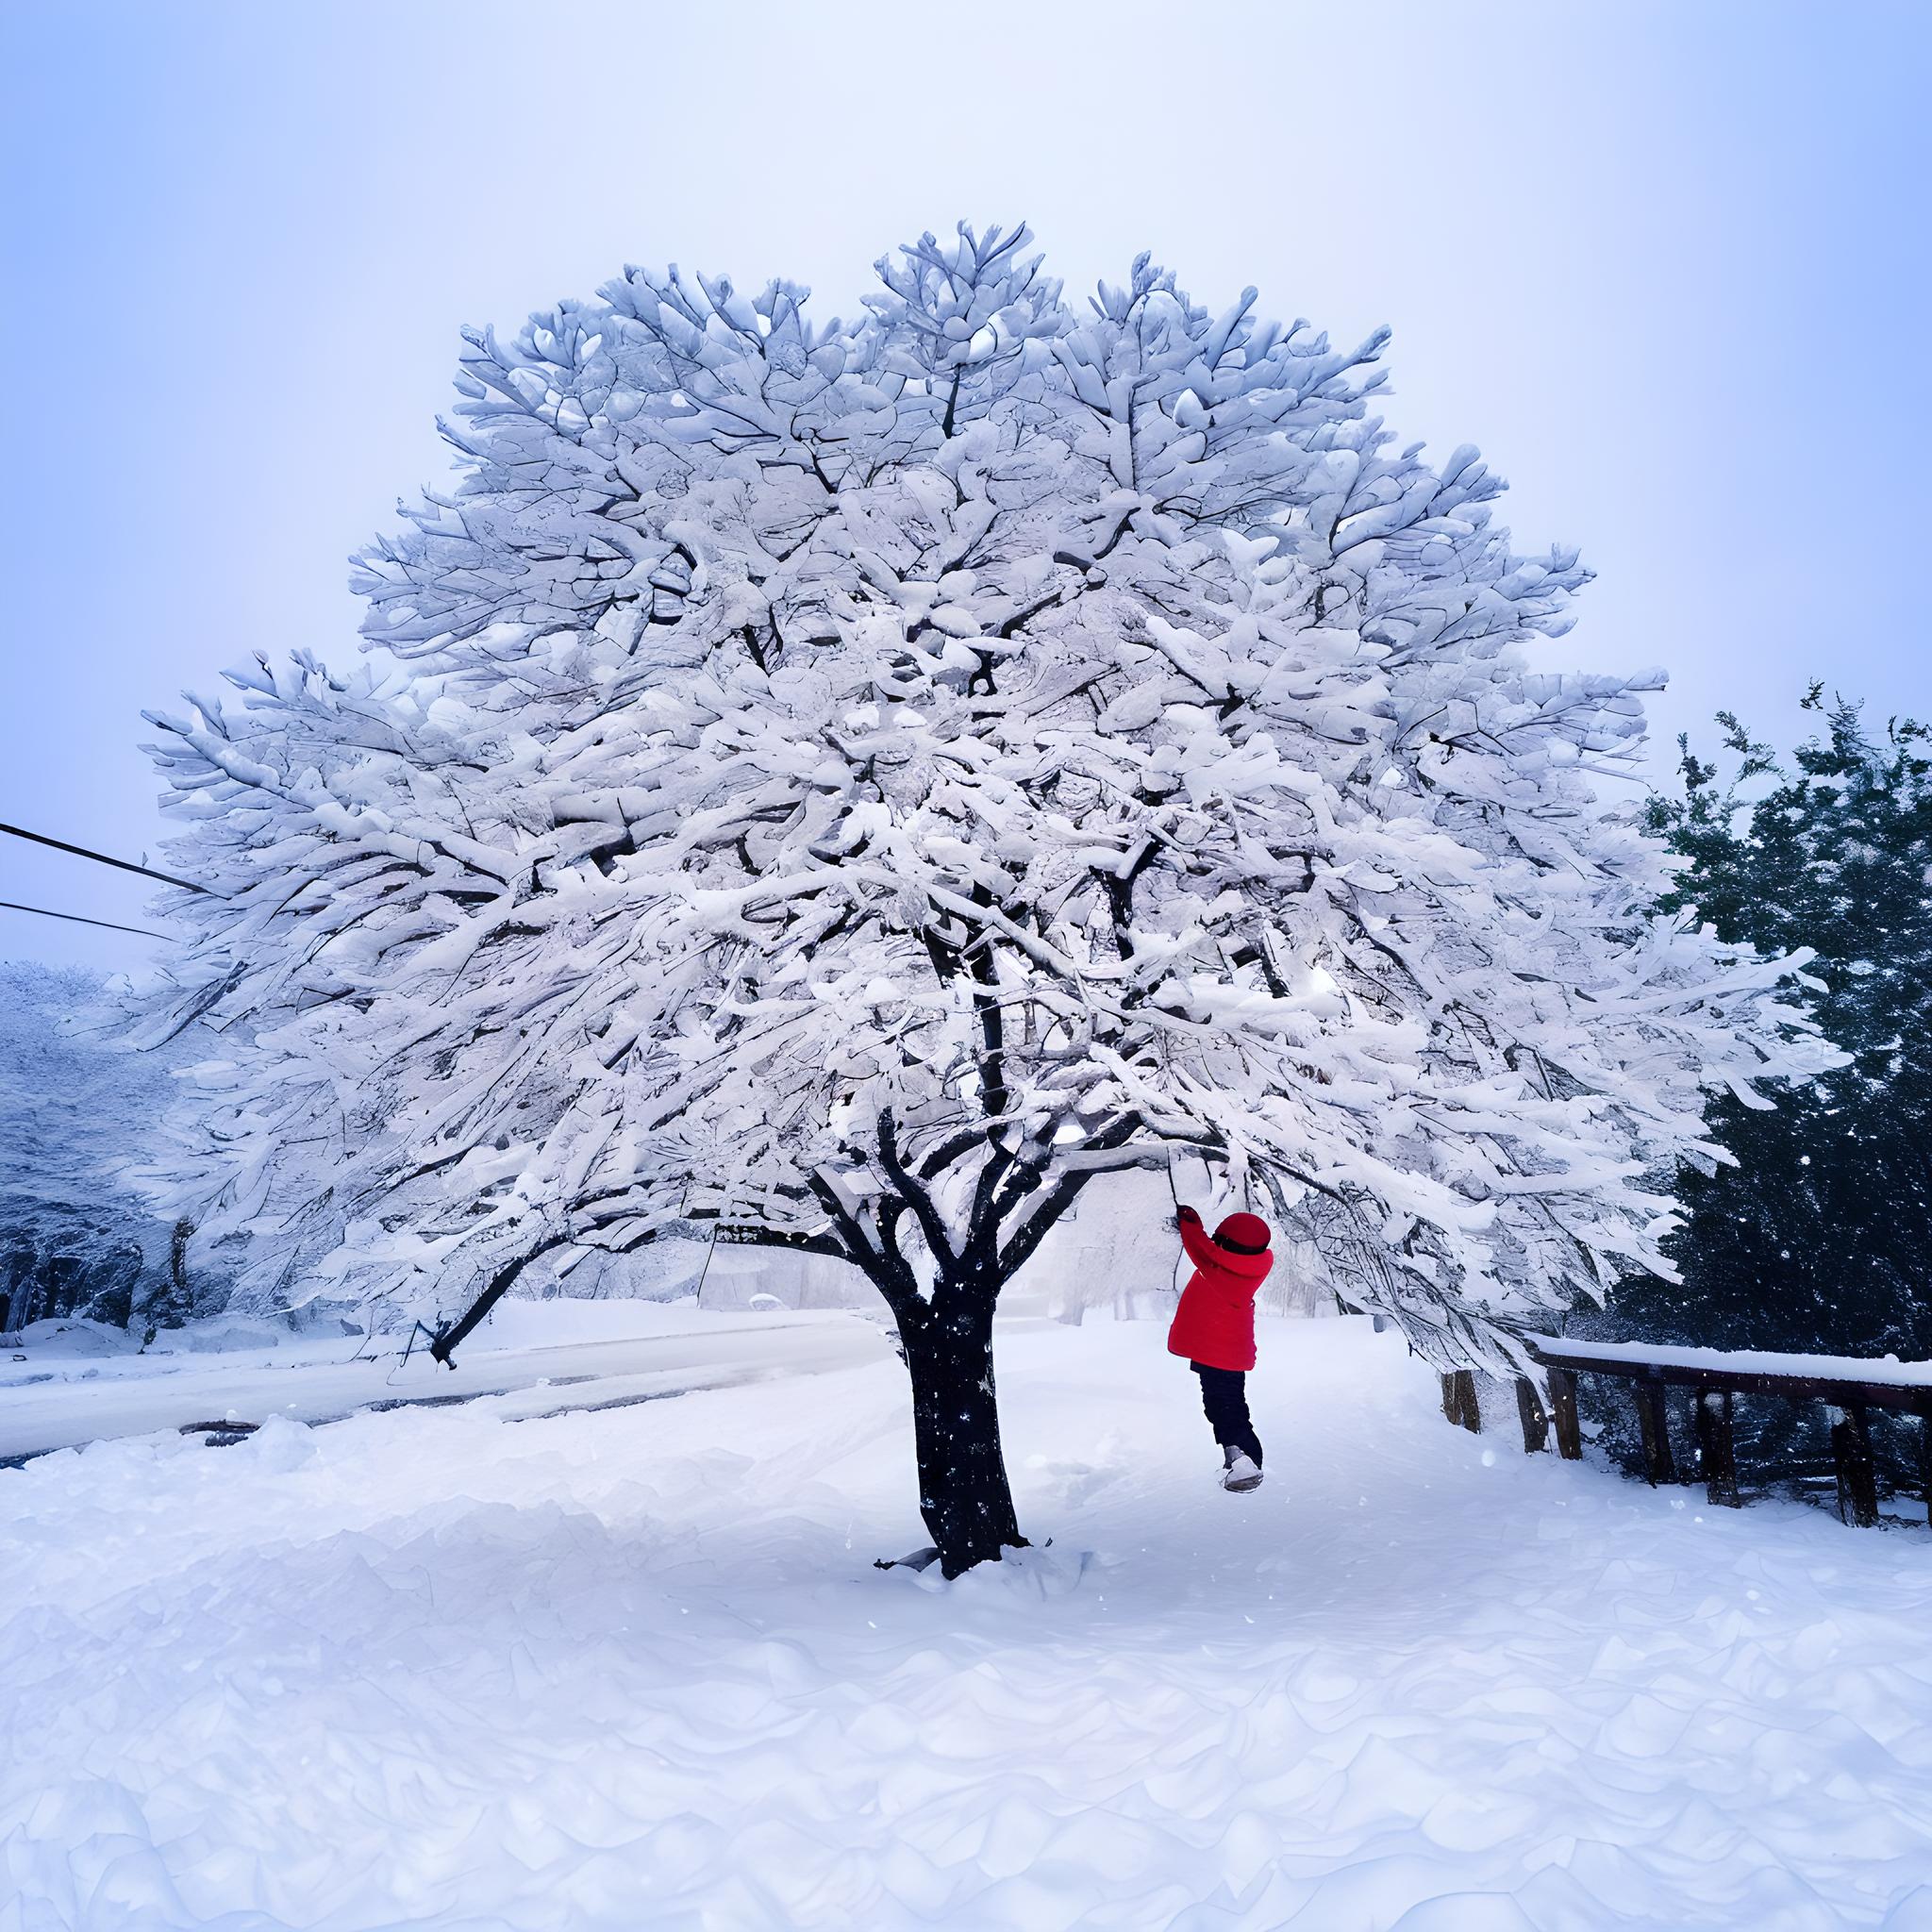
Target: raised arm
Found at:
x=1194, y=1239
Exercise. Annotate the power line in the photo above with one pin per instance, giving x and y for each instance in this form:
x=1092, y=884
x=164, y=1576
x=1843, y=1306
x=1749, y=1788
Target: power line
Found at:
x=11, y=905
x=147, y=872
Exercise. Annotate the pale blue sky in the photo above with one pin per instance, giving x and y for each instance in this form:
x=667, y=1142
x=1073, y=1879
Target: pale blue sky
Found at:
x=1665, y=264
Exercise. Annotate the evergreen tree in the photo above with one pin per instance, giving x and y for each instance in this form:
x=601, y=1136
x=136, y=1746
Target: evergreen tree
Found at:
x=1816, y=1238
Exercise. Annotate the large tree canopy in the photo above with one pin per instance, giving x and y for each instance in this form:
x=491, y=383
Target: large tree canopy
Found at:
x=857, y=780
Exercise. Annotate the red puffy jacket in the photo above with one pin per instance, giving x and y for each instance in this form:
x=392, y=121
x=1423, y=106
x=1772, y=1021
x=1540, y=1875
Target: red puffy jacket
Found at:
x=1215, y=1321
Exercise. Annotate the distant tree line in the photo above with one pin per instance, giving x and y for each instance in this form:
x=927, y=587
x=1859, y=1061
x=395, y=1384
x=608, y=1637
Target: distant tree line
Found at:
x=76, y=1238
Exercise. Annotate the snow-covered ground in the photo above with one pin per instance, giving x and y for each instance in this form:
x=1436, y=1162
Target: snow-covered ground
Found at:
x=77, y=1382
x=633, y=1668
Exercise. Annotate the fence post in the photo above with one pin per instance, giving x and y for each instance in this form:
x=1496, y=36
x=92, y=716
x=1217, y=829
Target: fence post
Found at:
x=1563, y=1410
x=1717, y=1447
x=1857, y=1476
x=1535, y=1423
x=1459, y=1399
x=1658, y=1465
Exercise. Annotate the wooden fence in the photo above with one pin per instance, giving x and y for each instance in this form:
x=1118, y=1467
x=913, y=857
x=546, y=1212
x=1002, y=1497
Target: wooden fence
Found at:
x=1848, y=1396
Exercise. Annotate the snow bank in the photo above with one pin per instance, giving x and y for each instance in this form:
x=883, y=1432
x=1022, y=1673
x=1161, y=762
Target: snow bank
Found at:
x=434, y=1668
x=74, y=1336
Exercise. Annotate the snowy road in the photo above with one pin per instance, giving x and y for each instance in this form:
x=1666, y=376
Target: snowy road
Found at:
x=633, y=1668
x=66, y=1403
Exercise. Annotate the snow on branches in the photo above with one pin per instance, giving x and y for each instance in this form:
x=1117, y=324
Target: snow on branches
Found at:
x=859, y=780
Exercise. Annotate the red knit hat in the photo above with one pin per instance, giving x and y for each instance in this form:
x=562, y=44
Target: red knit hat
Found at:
x=1245, y=1234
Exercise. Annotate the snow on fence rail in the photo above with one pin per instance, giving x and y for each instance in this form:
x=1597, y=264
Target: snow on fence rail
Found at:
x=1848, y=1385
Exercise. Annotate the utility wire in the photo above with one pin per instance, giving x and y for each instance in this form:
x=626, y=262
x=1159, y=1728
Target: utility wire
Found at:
x=11, y=905
x=147, y=872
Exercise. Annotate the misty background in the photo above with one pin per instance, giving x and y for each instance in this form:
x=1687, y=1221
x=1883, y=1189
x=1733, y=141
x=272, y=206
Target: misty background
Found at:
x=1665, y=264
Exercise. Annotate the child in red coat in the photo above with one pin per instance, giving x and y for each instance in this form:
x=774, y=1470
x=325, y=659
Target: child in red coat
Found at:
x=1214, y=1327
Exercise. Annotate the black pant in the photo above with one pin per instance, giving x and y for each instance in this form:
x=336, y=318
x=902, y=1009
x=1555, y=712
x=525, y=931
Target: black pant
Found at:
x=1225, y=1396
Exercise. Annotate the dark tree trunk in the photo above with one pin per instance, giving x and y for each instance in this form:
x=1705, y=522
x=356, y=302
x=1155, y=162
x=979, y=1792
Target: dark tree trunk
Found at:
x=963, y=1493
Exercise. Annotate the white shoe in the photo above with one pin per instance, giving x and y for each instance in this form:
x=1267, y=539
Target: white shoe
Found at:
x=1243, y=1473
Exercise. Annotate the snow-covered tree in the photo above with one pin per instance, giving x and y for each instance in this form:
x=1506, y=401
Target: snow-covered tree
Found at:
x=75, y=1112
x=854, y=782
